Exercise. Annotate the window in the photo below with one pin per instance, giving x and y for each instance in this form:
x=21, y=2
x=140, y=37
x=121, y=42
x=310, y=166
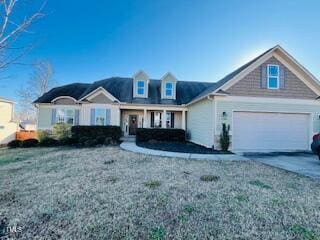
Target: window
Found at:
x=170, y=120
x=273, y=76
x=100, y=117
x=168, y=89
x=156, y=119
x=65, y=116
x=140, y=87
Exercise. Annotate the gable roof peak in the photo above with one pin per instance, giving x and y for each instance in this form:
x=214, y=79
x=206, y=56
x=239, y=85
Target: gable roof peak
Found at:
x=169, y=75
x=233, y=75
x=139, y=73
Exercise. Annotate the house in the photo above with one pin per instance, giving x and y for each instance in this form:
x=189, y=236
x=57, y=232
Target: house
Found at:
x=8, y=127
x=271, y=104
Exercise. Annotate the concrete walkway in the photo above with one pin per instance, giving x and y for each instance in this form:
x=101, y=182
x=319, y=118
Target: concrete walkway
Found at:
x=132, y=147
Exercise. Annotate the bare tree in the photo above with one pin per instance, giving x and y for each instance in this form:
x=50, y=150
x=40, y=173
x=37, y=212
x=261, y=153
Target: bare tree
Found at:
x=39, y=83
x=11, y=30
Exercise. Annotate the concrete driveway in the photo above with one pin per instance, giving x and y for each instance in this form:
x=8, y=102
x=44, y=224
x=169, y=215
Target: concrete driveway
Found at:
x=304, y=163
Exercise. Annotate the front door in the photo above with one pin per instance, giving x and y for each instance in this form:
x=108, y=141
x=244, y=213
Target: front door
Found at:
x=133, y=124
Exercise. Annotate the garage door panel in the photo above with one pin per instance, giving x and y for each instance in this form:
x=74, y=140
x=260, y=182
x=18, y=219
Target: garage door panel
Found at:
x=270, y=131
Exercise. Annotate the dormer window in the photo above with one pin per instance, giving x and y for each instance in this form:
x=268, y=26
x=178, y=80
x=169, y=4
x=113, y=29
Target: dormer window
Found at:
x=140, y=88
x=273, y=76
x=140, y=85
x=169, y=86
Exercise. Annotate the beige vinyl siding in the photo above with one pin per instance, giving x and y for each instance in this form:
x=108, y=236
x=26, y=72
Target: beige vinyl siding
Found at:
x=8, y=132
x=85, y=113
x=101, y=98
x=250, y=85
x=200, y=122
x=8, y=128
x=6, y=111
x=177, y=120
x=44, y=117
x=45, y=112
x=230, y=106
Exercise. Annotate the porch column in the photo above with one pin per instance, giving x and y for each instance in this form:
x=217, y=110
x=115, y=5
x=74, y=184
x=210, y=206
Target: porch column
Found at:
x=164, y=119
x=145, y=118
x=183, y=124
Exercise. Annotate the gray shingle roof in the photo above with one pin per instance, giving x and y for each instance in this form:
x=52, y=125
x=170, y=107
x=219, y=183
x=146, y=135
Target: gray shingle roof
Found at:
x=74, y=90
x=121, y=88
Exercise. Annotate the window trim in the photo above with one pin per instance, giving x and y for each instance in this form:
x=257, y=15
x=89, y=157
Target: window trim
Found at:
x=65, y=115
x=137, y=87
x=104, y=119
x=277, y=77
x=165, y=89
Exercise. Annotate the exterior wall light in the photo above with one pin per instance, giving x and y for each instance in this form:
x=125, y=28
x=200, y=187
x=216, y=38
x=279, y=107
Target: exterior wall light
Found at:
x=224, y=116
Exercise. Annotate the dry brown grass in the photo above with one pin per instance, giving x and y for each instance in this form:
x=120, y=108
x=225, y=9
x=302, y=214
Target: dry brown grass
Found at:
x=105, y=193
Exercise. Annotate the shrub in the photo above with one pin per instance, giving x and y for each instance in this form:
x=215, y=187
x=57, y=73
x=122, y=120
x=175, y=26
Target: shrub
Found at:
x=100, y=139
x=88, y=142
x=14, y=144
x=82, y=140
x=100, y=133
x=61, y=130
x=48, y=142
x=188, y=135
x=91, y=142
x=209, y=178
x=43, y=134
x=29, y=143
x=68, y=141
x=160, y=134
x=224, y=137
x=107, y=141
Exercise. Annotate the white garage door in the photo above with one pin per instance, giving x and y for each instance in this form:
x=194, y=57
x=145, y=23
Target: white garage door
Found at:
x=254, y=131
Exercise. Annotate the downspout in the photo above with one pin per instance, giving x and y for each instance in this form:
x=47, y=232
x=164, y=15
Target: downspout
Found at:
x=37, y=119
x=213, y=119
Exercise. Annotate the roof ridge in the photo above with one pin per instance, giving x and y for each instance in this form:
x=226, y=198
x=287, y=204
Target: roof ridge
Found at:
x=70, y=84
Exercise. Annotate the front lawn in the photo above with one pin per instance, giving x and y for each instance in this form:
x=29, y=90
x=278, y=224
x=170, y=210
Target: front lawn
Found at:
x=20, y=154
x=183, y=147
x=108, y=193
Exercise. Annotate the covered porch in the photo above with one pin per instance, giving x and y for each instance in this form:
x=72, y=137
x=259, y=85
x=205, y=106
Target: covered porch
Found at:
x=133, y=117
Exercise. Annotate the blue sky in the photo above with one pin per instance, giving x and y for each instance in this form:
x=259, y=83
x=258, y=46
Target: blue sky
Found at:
x=196, y=40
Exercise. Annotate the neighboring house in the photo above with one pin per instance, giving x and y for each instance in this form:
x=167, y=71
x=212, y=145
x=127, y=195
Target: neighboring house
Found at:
x=8, y=127
x=28, y=125
x=270, y=104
